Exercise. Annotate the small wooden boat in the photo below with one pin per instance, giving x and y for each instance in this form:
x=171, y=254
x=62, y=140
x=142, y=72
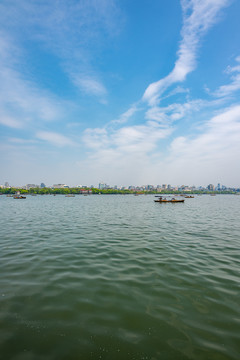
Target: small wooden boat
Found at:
x=189, y=197
x=169, y=201
x=19, y=196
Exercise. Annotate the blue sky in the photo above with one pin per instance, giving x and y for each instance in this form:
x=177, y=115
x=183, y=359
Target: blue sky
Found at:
x=122, y=92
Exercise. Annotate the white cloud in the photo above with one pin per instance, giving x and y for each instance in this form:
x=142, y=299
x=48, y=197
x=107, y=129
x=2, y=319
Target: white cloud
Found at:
x=74, y=33
x=138, y=152
x=229, y=89
x=199, y=16
x=10, y=121
x=63, y=27
x=208, y=154
x=20, y=95
x=129, y=151
x=96, y=138
x=21, y=141
x=127, y=144
x=123, y=118
x=167, y=115
x=90, y=85
x=54, y=138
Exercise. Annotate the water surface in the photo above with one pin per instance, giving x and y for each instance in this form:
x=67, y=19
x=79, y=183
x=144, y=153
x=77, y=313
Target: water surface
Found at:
x=119, y=277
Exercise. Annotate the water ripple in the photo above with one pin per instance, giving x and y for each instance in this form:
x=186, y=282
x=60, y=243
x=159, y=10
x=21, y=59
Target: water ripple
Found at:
x=119, y=277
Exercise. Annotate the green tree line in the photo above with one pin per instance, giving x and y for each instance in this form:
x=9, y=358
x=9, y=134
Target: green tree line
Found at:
x=78, y=191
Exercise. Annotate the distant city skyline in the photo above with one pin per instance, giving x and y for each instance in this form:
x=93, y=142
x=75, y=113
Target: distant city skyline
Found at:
x=103, y=186
x=130, y=92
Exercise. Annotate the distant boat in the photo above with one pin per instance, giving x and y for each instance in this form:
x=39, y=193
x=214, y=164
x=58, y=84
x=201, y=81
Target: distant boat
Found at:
x=19, y=196
x=189, y=197
x=70, y=195
x=173, y=200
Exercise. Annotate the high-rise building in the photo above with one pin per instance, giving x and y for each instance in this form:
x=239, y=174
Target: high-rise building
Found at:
x=102, y=186
x=210, y=187
x=60, y=186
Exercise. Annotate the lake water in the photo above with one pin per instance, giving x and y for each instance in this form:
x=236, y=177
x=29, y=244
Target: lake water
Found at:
x=119, y=277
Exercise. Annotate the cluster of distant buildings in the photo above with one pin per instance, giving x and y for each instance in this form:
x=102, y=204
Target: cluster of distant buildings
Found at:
x=104, y=186
x=169, y=187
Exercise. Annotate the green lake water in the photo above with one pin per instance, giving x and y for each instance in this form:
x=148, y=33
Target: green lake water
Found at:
x=119, y=277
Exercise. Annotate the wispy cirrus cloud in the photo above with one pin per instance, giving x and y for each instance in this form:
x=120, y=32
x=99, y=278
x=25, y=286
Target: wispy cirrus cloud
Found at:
x=20, y=95
x=54, y=138
x=73, y=31
x=123, y=118
x=21, y=141
x=198, y=17
x=90, y=85
x=68, y=31
x=231, y=88
x=66, y=28
x=11, y=122
x=175, y=111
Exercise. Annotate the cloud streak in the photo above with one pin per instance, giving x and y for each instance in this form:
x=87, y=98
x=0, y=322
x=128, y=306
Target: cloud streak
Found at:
x=20, y=95
x=123, y=118
x=199, y=16
x=54, y=138
x=71, y=32
x=90, y=85
x=10, y=121
x=229, y=89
